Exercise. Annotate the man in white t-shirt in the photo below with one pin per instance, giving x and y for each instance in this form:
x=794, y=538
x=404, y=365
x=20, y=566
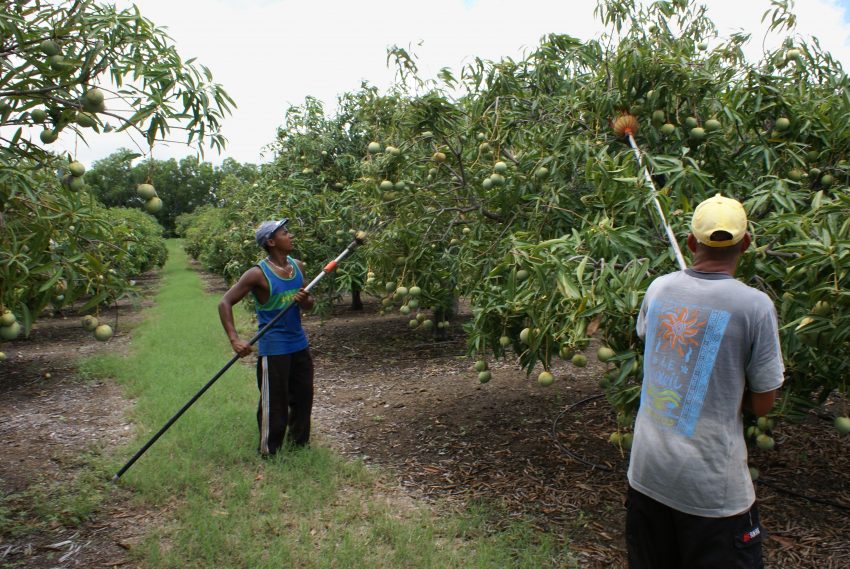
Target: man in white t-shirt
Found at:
x=711, y=350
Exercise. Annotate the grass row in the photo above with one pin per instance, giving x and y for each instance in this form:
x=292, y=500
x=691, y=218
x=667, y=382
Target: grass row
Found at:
x=308, y=508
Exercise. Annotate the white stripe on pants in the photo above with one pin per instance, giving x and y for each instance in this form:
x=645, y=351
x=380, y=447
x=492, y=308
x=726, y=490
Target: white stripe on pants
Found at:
x=264, y=421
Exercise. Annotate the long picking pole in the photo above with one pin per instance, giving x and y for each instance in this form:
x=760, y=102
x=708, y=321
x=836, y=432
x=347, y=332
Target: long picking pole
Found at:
x=670, y=235
x=329, y=268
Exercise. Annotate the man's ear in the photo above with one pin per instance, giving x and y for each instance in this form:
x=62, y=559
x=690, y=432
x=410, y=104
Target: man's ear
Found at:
x=745, y=242
x=692, y=243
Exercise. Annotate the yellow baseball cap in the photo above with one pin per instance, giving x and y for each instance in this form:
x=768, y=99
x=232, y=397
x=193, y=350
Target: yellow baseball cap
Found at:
x=719, y=214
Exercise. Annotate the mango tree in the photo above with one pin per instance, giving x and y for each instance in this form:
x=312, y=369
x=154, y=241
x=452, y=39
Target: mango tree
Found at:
x=506, y=185
x=82, y=68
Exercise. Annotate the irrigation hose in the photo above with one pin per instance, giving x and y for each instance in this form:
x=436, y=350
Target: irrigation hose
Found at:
x=771, y=484
x=761, y=480
x=566, y=450
x=359, y=239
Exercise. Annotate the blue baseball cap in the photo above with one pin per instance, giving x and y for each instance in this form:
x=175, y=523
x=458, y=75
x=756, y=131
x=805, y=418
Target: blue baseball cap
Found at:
x=267, y=228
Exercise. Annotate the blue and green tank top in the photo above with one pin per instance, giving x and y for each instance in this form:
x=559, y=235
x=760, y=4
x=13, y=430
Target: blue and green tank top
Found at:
x=286, y=336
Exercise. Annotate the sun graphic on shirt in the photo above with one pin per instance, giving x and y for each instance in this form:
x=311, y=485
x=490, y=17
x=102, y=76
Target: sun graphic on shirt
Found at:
x=679, y=328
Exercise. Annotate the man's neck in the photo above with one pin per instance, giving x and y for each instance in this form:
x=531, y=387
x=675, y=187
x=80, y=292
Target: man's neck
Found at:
x=715, y=266
x=278, y=258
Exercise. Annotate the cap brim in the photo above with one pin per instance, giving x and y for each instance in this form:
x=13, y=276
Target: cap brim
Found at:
x=265, y=236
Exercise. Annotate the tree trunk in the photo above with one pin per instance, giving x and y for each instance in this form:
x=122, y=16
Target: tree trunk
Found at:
x=446, y=313
x=356, y=302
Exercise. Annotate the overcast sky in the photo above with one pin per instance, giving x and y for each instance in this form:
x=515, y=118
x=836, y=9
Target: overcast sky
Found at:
x=271, y=54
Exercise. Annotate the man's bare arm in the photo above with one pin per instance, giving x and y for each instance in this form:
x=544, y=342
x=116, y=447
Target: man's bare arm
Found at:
x=759, y=404
x=237, y=292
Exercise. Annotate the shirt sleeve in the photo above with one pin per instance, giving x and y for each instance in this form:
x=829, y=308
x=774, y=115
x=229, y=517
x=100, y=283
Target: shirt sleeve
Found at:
x=765, y=369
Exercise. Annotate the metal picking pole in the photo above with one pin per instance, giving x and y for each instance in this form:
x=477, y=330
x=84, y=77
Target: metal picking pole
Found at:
x=329, y=268
x=670, y=235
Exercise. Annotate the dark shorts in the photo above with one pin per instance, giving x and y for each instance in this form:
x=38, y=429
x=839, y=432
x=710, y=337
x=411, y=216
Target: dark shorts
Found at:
x=659, y=537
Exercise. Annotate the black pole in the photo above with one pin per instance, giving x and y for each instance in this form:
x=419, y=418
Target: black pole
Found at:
x=171, y=421
x=328, y=268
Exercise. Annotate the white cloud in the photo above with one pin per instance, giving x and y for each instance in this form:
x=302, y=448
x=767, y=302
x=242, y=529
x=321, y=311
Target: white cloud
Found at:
x=272, y=54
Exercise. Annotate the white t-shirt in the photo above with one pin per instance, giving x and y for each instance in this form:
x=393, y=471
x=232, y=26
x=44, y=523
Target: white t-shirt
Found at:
x=706, y=336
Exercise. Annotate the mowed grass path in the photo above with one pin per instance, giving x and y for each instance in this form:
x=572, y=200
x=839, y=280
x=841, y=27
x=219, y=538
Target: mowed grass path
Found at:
x=309, y=508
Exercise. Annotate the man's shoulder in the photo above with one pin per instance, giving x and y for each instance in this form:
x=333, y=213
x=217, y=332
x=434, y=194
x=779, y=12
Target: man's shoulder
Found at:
x=253, y=270
x=742, y=297
x=664, y=279
x=299, y=263
x=749, y=294
x=253, y=275
x=742, y=291
x=758, y=300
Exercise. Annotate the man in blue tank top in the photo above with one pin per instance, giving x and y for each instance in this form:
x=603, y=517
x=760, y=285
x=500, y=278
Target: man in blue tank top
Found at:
x=284, y=365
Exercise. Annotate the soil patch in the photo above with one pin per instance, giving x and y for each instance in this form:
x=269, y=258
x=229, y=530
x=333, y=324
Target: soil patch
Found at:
x=54, y=421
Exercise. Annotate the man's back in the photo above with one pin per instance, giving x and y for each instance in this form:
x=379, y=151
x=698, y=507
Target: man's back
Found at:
x=707, y=337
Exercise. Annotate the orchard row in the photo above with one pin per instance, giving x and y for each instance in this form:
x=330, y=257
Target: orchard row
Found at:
x=506, y=185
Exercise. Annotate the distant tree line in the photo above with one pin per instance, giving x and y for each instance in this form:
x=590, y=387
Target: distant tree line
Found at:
x=183, y=186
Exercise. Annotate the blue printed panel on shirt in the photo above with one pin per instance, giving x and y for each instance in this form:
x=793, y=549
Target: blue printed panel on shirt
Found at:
x=682, y=343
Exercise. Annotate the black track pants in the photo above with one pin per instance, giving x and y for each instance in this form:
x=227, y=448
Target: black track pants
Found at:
x=286, y=399
x=659, y=537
